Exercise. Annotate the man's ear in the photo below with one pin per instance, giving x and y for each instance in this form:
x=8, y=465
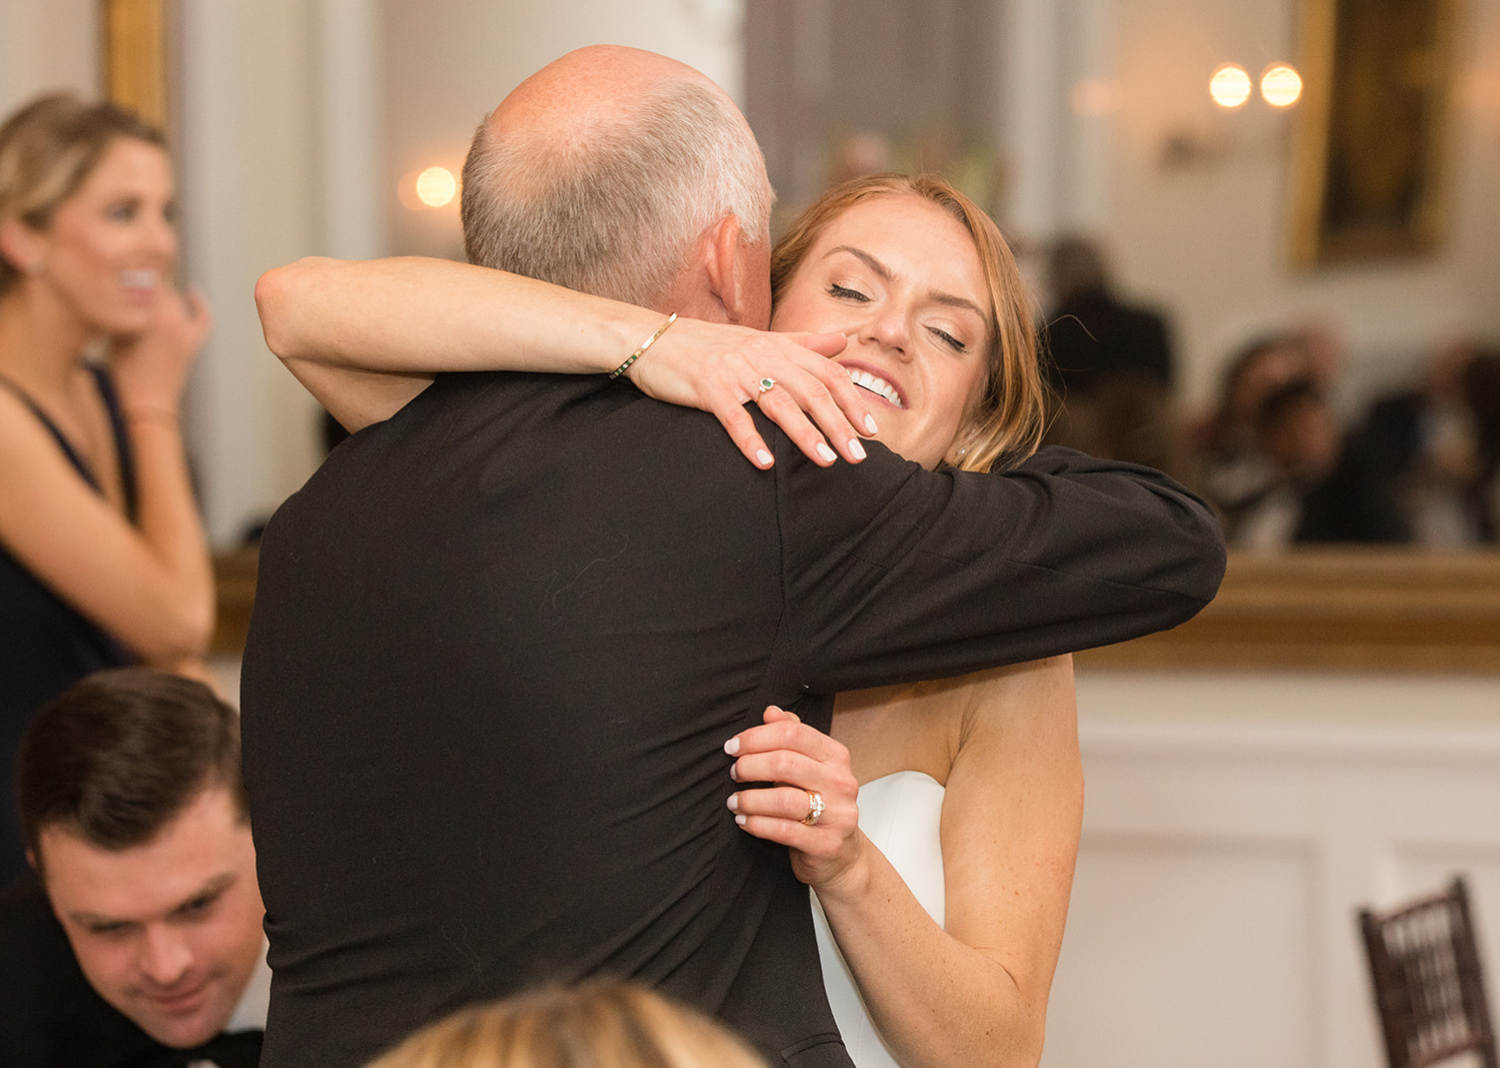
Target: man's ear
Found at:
x=728, y=276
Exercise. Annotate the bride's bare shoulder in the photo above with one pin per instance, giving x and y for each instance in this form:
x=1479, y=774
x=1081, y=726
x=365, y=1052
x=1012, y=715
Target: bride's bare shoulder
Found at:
x=923, y=726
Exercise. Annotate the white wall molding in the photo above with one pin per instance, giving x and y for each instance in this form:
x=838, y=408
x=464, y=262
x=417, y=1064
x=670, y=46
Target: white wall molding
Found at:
x=1224, y=856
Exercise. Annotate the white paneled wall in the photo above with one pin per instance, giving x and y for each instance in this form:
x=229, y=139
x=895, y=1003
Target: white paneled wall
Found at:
x=1233, y=825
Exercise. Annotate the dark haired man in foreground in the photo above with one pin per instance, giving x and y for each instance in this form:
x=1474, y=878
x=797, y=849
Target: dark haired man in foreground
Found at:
x=139, y=944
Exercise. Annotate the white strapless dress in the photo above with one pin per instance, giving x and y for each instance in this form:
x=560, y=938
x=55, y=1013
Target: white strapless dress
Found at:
x=899, y=814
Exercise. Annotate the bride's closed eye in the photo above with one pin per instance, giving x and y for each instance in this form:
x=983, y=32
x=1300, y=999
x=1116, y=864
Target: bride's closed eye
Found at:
x=845, y=293
x=948, y=339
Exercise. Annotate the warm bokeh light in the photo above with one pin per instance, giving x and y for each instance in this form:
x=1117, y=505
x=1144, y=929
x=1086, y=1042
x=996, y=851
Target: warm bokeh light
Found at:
x=1094, y=96
x=1230, y=86
x=436, y=186
x=1280, y=85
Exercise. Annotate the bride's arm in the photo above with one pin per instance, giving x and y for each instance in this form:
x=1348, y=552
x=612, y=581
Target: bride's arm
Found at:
x=976, y=992
x=366, y=336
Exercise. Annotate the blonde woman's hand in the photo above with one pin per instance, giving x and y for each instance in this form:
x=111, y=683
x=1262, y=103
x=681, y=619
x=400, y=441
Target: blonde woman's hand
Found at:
x=800, y=761
x=151, y=368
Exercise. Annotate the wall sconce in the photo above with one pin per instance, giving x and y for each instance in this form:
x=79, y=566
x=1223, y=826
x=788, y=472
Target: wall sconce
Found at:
x=1230, y=87
x=1280, y=85
x=434, y=187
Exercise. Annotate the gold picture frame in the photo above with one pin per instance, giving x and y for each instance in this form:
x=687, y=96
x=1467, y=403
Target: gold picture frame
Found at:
x=1342, y=608
x=1372, y=161
x=135, y=60
x=1321, y=609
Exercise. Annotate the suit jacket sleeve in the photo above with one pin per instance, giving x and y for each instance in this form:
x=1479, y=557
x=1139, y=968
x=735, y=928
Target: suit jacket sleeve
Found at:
x=892, y=573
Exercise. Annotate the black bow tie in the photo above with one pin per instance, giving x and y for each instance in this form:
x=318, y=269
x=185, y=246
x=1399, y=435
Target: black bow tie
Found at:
x=239, y=1050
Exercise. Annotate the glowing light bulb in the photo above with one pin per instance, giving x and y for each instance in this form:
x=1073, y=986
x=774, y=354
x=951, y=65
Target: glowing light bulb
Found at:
x=1229, y=86
x=1280, y=85
x=436, y=186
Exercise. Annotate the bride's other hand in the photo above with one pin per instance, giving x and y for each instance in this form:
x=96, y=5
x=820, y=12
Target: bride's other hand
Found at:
x=800, y=761
x=719, y=368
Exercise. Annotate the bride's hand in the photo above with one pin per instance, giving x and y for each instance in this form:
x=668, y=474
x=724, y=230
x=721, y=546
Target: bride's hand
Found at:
x=719, y=368
x=802, y=762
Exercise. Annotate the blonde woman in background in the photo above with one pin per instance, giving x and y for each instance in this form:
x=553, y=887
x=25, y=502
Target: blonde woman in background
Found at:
x=103, y=561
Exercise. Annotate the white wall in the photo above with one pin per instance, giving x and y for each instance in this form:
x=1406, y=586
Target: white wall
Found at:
x=1233, y=825
x=48, y=44
x=450, y=64
x=279, y=144
x=248, y=196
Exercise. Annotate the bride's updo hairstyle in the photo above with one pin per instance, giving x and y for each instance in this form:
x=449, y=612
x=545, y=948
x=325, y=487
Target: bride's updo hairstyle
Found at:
x=48, y=149
x=1004, y=424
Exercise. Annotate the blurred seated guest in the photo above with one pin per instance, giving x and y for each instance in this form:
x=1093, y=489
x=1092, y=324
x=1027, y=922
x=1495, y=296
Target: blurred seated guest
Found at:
x=1482, y=388
x=1235, y=474
x=138, y=943
x=1110, y=365
x=1322, y=350
x=1325, y=486
x=103, y=562
x=1094, y=337
x=1438, y=446
x=600, y=1024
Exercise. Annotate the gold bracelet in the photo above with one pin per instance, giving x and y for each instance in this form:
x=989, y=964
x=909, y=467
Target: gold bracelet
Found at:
x=638, y=353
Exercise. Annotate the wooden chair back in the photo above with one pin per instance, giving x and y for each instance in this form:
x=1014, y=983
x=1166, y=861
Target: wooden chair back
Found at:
x=1429, y=990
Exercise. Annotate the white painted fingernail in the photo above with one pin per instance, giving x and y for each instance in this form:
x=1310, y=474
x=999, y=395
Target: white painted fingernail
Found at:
x=826, y=454
x=856, y=450
x=763, y=458
x=734, y=802
x=870, y=424
x=740, y=820
x=732, y=747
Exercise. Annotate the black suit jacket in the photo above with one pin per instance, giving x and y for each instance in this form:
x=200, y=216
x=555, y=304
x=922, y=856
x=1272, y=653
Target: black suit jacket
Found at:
x=500, y=640
x=50, y=1017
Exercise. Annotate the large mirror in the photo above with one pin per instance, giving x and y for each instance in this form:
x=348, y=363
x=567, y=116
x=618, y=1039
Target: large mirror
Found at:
x=1093, y=117
x=1317, y=228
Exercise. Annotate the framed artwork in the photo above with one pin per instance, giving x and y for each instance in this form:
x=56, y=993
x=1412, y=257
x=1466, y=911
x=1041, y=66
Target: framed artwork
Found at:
x=1371, y=178
x=135, y=67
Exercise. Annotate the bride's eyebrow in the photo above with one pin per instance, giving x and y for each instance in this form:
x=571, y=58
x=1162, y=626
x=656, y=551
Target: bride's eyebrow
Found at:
x=869, y=261
x=937, y=296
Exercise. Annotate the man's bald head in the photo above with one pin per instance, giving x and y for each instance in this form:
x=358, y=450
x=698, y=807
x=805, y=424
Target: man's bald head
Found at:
x=602, y=170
